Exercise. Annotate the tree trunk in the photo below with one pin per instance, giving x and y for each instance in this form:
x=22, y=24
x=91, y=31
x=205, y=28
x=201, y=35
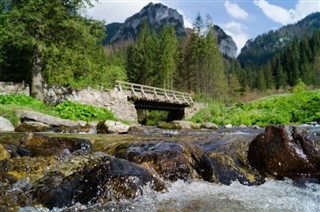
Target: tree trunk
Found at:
x=37, y=80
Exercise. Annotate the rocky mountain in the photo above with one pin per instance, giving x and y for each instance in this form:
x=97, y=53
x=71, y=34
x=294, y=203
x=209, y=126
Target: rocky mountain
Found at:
x=158, y=15
x=260, y=50
x=226, y=44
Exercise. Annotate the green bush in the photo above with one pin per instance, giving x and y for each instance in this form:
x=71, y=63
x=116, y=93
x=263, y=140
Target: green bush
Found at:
x=77, y=111
x=300, y=107
x=22, y=100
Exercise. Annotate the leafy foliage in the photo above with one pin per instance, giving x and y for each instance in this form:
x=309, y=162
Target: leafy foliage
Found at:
x=22, y=100
x=76, y=111
x=53, y=41
x=68, y=110
x=299, y=107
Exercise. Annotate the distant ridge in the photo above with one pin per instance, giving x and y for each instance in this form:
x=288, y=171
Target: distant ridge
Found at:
x=261, y=50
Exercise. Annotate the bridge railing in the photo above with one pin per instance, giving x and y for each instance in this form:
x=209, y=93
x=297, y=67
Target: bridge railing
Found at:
x=153, y=93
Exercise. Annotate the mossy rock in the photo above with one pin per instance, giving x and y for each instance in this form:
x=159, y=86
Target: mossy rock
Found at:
x=92, y=178
x=170, y=126
x=4, y=154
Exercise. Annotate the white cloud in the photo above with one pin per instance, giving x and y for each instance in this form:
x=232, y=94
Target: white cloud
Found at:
x=118, y=11
x=288, y=16
x=235, y=10
x=236, y=31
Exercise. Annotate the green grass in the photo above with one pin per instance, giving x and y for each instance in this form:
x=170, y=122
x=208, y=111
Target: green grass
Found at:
x=67, y=110
x=299, y=107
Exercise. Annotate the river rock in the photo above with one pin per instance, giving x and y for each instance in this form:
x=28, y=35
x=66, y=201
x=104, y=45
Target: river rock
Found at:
x=112, y=127
x=96, y=177
x=171, y=160
x=4, y=154
x=5, y=125
x=40, y=145
x=284, y=151
x=184, y=124
x=32, y=126
x=46, y=119
x=230, y=160
x=228, y=126
x=209, y=125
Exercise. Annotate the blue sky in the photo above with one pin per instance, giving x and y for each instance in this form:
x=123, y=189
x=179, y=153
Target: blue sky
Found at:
x=241, y=19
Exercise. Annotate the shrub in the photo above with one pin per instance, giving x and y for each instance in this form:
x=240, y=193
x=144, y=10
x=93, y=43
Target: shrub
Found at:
x=77, y=111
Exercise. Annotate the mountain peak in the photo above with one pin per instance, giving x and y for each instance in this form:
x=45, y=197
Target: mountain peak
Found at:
x=157, y=16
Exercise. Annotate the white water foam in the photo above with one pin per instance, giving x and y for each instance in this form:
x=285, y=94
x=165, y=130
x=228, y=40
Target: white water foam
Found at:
x=204, y=196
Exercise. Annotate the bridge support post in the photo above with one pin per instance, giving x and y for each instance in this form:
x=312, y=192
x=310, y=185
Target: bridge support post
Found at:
x=175, y=115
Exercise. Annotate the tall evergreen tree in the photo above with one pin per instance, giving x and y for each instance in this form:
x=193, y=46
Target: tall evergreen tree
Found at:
x=52, y=31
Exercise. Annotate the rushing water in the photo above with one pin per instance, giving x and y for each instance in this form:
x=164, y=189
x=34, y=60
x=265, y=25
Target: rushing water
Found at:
x=204, y=196
x=197, y=195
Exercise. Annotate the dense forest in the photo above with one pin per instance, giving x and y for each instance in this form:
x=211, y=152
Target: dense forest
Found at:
x=53, y=42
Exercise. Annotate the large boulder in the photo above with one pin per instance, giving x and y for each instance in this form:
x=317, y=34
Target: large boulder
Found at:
x=285, y=151
x=5, y=125
x=171, y=160
x=40, y=145
x=47, y=119
x=92, y=178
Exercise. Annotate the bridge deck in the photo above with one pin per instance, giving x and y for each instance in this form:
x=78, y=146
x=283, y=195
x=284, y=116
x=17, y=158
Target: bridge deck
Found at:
x=153, y=94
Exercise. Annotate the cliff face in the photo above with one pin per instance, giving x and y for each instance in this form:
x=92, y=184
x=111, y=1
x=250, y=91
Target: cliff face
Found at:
x=158, y=15
x=226, y=44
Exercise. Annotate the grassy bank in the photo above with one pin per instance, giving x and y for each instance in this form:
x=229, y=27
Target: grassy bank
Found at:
x=298, y=107
x=67, y=110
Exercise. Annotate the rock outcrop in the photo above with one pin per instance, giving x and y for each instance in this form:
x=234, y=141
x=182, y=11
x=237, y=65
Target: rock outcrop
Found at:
x=157, y=16
x=285, y=151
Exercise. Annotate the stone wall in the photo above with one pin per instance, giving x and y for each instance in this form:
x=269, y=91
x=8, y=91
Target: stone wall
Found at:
x=113, y=100
x=17, y=88
x=190, y=111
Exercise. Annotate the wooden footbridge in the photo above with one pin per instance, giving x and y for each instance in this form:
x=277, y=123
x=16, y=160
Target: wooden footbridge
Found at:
x=152, y=98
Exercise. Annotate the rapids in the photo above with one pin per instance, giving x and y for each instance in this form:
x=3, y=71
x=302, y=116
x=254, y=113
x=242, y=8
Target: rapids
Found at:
x=203, y=196
x=199, y=195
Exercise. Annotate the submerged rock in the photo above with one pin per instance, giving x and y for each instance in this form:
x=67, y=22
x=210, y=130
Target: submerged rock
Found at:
x=285, y=151
x=96, y=177
x=171, y=160
x=40, y=145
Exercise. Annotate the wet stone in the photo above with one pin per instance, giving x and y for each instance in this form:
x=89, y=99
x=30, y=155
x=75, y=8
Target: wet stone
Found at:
x=285, y=151
x=96, y=177
x=40, y=145
x=171, y=160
